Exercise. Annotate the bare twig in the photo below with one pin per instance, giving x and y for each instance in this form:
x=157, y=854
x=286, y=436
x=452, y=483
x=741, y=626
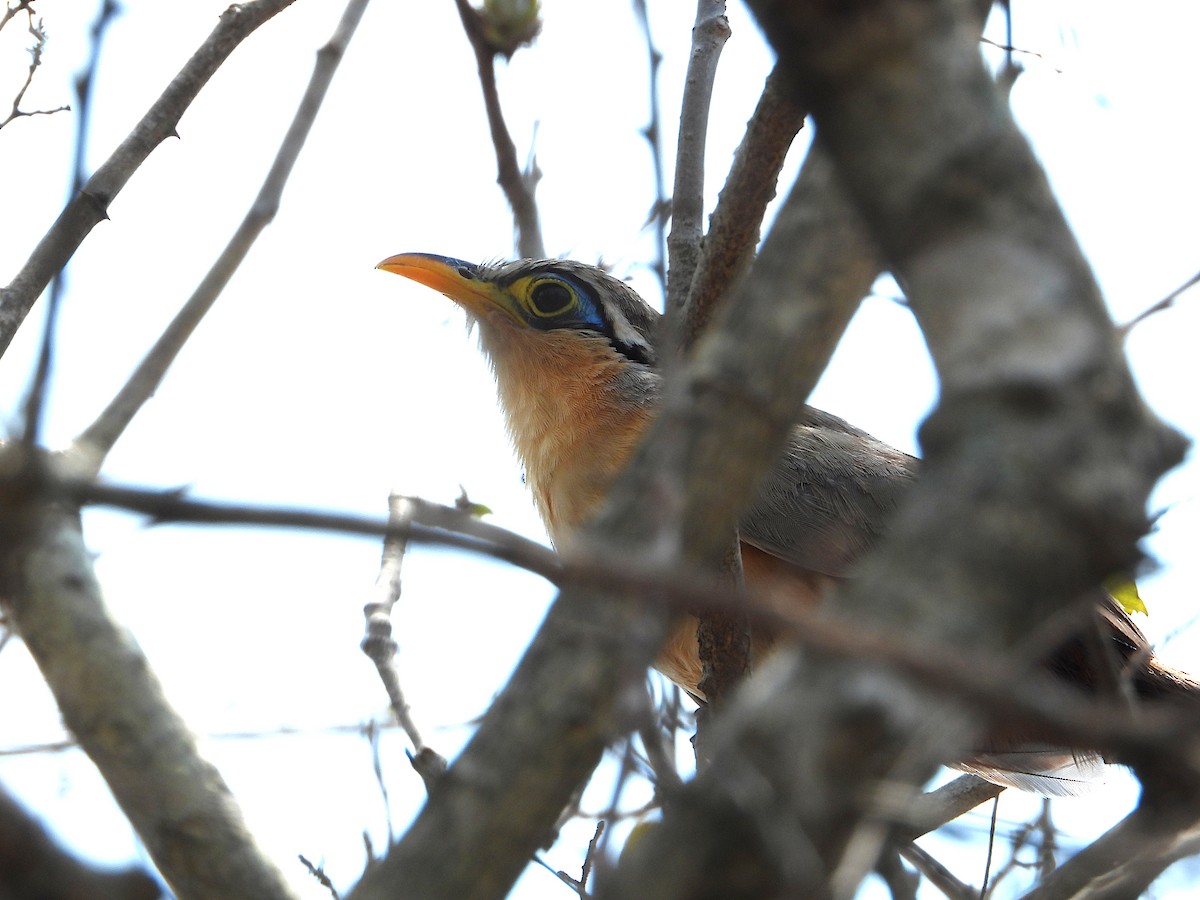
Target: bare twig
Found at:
x=35, y=399
x=318, y=873
x=999, y=690
x=35, y=60
x=90, y=206
x=1125, y=859
x=734, y=226
x=941, y=877
x=1165, y=303
x=929, y=812
x=379, y=645
x=687, y=199
x=518, y=186
x=579, y=885
x=433, y=524
x=660, y=209
x=11, y=11
x=283, y=731
x=94, y=443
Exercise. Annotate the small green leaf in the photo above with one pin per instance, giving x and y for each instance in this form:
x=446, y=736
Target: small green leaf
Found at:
x=463, y=503
x=1125, y=591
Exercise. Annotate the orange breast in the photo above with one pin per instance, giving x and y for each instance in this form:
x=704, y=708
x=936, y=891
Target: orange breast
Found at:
x=574, y=422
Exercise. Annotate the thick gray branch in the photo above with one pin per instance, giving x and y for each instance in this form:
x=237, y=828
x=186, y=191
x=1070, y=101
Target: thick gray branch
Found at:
x=1038, y=462
x=112, y=703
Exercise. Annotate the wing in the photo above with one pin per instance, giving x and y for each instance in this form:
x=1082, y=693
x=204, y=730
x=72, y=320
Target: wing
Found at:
x=829, y=496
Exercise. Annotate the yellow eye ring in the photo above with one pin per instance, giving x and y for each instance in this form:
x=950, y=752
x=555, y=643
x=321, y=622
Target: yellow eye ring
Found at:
x=550, y=297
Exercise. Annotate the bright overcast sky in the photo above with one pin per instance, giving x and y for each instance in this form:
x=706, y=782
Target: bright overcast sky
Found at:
x=320, y=382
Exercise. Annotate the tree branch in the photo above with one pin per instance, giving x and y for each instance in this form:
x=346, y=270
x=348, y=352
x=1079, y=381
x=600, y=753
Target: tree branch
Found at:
x=660, y=209
x=112, y=703
x=750, y=186
x=90, y=206
x=518, y=186
x=379, y=645
x=94, y=442
x=687, y=199
x=35, y=60
x=1007, y=509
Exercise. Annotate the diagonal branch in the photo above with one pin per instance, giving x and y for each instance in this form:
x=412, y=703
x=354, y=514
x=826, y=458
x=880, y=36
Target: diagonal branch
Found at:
x=659, y=210
x=94, y=442
x=36, y=396
x=114, y=705
x=90, y=206
x=734, y=225
x=518, y=186
x=1165, y=303
x=687, y=198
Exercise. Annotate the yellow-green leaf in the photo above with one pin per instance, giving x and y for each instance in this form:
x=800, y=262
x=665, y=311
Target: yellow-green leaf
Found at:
x=1125, y=592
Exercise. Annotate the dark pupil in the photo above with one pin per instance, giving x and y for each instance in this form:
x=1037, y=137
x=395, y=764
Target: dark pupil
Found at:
x=550, y=298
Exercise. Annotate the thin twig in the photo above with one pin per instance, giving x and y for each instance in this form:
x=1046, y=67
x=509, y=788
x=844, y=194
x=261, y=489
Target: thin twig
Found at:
x=1165, y=303
x=1125, y=858
x=379, y=645
x=11, y=11
x=687, y=199
x=36, y=396
x=283, y=731
x=660, y=210
x=733, y=229
x=373, y=734
x=90, y=206
x=941, y=877
x=318, y=872
x=518, y=186
x=35, y=60
x=1163, y=732
x=579, y=886
x=94, y=443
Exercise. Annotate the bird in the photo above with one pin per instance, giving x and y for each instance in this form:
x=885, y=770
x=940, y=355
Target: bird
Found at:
x=576, y=354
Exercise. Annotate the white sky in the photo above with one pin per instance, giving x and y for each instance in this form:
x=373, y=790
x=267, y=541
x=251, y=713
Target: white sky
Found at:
x=320, y=382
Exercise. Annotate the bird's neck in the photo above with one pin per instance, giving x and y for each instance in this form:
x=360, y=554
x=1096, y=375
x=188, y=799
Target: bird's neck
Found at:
x=574, y=411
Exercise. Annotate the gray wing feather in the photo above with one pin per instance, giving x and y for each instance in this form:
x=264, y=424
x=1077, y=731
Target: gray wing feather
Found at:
x=829, y=496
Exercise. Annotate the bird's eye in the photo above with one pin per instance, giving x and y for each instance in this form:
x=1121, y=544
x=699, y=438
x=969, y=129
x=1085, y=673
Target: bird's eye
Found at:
x=550, y=298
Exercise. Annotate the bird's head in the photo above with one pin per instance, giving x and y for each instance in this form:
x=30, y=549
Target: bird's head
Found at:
x=524, y=303
x=573, y=350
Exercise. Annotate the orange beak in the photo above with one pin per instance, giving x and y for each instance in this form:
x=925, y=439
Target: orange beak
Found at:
x=461, y=281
